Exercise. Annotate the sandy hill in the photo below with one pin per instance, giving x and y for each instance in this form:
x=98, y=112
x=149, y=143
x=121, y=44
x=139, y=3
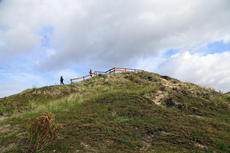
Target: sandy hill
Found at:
x=122, y=112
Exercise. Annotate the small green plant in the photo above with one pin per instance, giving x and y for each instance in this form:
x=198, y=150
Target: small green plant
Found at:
x=106, y=89
x=221, y=145
x=211, y=150
x=42, y=131
x=228, y=97
x=2, y=139
x=1, y=111
x=13, y=150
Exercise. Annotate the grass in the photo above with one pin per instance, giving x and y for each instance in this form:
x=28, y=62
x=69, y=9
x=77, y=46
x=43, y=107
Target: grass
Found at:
x=117, y=113
x=221, y=145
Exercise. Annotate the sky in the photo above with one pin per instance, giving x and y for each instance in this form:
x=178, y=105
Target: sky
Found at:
x=184, y=39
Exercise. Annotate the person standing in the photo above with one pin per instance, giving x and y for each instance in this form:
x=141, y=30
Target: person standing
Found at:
x=91, y=72
x=61, y=80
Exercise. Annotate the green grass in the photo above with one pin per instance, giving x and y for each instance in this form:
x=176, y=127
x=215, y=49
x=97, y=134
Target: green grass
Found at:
x=1, y=110
x=221, y=145
x=13, y=151
x=117, y=113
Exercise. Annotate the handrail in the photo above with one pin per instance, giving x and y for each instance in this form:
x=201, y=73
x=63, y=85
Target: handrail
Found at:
x=129, y=69
x=115, y=69
x=110, y=70
x=82, y=77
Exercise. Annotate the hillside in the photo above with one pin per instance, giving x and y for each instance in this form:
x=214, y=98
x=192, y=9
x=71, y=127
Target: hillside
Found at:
x=122, y=112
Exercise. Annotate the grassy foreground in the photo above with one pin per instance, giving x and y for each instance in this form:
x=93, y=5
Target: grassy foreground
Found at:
x=123, y=112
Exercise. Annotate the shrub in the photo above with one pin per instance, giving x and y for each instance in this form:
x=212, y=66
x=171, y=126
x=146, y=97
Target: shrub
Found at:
x=42, y=131
x=1, y=111
x=228, y=98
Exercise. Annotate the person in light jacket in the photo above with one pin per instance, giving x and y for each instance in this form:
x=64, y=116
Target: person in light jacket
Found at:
x=91, y=72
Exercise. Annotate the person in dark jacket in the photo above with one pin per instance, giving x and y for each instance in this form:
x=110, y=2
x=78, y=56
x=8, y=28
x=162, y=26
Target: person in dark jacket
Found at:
x=61, y=80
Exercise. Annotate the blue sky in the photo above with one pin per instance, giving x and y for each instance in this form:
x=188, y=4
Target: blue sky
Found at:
x=41, y=40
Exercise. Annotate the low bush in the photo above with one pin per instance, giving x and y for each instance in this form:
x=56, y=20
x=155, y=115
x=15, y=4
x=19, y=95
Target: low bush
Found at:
x=42, y=131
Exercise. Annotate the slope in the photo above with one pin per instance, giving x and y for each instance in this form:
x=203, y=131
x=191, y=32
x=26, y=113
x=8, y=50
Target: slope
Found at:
x=122, y=112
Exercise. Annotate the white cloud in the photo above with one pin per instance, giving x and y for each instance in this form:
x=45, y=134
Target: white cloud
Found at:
x=150, y=63
x=120, y=33
x=114, y=32
x=210, y=70
x=50, y=52
x=18, y=40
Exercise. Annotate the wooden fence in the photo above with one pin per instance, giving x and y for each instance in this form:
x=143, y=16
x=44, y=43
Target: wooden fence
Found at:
x=82, y=77
x=112, y=70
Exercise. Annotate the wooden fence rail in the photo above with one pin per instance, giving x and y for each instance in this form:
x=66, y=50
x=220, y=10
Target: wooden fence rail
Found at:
x=112, y=70
x=82, y=77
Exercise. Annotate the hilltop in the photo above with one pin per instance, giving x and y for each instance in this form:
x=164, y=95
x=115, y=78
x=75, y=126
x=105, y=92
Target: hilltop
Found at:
x=122, y=112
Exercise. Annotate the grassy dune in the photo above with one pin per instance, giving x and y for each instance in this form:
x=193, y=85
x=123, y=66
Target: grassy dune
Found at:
x=123, y=112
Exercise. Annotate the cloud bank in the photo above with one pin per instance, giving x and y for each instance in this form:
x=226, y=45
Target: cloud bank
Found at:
x=209, y=70
x=58, y=36
x=115, y=32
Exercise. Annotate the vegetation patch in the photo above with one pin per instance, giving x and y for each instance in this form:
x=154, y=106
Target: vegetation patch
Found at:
x=42, y=132
x=123, y=112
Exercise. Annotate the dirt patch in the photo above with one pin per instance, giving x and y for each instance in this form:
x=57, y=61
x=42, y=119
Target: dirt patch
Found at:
x=196, y=116
x=200, y=146
x=2, y=118
x=8, y=130
x=146, y=146
x=4, y=128
x=10, y=146
x=21, y=135
x=85, y=145
x=158, y=98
